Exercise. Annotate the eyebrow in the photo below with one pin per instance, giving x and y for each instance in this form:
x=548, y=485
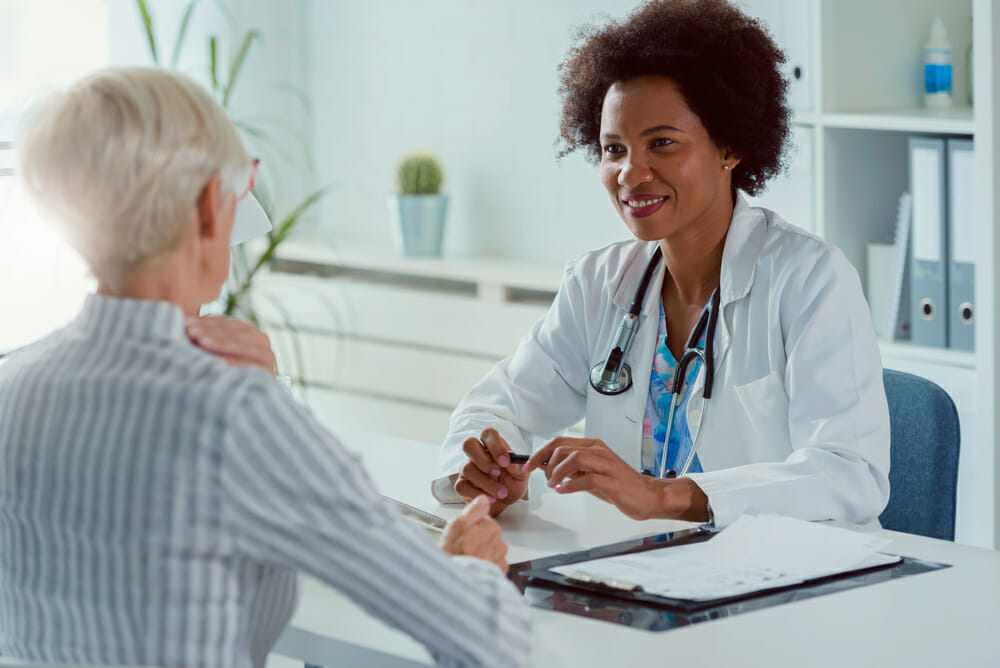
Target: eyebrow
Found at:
x=647, y=131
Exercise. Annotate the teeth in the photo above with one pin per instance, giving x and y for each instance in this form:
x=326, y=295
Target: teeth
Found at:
x=639, y=203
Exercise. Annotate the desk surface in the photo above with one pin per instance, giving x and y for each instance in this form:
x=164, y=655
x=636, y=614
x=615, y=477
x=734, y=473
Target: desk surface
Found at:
x=948, y=617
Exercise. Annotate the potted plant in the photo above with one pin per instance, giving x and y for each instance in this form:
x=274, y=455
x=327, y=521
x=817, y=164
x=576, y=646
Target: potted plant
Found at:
x=418, y=211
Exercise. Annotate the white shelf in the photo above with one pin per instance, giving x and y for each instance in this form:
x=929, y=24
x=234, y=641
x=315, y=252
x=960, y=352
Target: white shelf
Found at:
x=899, y=351
x=957, y=121
x=491, y=276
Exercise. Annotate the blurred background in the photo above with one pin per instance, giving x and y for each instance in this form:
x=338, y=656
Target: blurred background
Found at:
x=332, y=94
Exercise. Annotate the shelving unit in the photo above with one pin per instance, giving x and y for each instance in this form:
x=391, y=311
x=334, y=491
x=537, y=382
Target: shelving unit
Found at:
x=861, y=103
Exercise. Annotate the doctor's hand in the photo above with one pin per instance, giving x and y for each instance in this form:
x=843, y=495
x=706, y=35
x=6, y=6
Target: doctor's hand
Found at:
x=589, y=465
x=474, y=533
x=489, y=471
x=236, y=342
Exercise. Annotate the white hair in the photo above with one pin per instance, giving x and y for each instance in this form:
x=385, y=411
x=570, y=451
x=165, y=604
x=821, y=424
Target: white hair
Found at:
x=120, y=159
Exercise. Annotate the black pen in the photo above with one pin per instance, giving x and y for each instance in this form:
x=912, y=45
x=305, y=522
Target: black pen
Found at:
x=522, y=459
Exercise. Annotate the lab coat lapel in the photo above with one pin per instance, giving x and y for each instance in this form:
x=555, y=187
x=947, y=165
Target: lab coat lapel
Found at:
x=739, y=266
x=744, y=242
x=640, y=357
x=644, y=345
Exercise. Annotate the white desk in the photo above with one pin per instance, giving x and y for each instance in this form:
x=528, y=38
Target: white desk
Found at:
x=949, y=617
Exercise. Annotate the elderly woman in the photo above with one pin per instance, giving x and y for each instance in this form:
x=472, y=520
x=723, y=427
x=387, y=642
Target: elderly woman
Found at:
x=155, y=501
x=724, y=360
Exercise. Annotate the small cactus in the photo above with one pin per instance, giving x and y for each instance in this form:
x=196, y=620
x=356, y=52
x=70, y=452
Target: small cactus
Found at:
x=419, y=174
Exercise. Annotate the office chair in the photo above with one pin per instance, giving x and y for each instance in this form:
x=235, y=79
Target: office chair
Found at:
x=924, y=457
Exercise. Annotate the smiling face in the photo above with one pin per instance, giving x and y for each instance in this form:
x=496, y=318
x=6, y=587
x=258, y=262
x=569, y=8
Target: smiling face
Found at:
x=665, y=175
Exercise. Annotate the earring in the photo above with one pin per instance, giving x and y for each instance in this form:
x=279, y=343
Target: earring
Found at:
x=725, y=168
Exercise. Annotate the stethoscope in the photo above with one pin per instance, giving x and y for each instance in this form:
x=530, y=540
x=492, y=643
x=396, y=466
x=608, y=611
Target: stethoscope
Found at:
x=614, y=376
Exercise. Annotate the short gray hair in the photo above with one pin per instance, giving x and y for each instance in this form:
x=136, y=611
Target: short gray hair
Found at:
x=120, y=159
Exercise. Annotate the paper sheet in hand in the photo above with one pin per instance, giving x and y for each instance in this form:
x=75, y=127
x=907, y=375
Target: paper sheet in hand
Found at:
x=755, y=553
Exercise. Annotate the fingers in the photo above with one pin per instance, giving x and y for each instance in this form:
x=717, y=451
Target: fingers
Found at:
x=475, y=534
x=480, y=457
x=235, y=341
x=486, y=484
x=568, y=463
x=496, y=446
x=540, y=456
x=594, y=483
x=478, y=509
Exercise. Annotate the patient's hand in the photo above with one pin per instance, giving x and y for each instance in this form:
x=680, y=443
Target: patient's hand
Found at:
x=474, y=533
x=237, y=342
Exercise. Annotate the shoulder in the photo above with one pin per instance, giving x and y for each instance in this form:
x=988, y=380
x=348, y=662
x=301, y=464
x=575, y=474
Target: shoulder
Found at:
x=609, y=265
x=796, y=253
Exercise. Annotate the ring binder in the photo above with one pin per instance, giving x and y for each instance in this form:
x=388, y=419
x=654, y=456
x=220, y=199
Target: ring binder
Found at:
x=929, y=263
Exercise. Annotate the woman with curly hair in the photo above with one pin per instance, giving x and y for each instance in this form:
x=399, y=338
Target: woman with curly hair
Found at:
x=724, y=360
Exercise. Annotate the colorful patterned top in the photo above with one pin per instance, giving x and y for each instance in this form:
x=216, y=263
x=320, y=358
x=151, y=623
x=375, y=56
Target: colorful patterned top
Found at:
x=654, y=421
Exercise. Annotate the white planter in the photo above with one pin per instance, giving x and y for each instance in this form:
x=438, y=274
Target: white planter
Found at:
x=417, y=224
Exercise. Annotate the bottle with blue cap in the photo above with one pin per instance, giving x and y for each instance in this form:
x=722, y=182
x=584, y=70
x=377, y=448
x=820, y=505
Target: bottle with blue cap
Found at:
x=937, y=67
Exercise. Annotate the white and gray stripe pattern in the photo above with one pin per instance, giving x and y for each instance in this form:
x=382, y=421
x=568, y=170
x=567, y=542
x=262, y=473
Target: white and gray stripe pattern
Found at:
x=156, y=504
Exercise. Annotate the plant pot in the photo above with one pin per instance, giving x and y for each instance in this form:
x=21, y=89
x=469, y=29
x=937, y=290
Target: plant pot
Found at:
x=417, y=224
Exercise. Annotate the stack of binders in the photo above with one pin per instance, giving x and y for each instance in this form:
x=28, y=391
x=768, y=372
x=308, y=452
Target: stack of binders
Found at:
x=942, y=269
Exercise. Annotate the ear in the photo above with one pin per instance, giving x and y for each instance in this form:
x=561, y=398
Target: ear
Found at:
x=209, y=207
x=729, y=158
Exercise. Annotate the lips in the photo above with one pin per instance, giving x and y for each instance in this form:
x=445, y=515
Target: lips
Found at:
x=640, y=206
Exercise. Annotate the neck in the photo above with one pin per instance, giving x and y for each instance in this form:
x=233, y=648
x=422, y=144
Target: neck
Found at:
x=158, y=280
x=693, y=259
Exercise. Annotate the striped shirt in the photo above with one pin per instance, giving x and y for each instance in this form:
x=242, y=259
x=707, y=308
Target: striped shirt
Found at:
x=156, y=504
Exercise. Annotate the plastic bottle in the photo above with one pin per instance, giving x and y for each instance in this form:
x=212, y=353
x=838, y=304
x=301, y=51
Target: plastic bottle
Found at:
x=937, y=67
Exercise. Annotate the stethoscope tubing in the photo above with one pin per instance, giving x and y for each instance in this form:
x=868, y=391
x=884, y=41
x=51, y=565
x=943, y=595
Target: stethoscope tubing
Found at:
x=614, y=376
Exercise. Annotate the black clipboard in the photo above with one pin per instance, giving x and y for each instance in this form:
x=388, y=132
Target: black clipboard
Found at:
x=589, y=598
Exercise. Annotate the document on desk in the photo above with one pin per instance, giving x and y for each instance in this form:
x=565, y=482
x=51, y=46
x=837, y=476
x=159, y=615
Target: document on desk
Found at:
x=755, y=553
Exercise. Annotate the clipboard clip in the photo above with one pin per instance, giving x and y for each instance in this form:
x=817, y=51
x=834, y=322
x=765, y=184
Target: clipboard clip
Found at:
x=609, y=583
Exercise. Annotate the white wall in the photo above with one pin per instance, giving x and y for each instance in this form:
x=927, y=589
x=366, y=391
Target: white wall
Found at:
x=477, y=83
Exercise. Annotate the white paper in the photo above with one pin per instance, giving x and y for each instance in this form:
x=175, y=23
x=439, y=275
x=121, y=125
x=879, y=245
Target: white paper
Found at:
x=755, y=553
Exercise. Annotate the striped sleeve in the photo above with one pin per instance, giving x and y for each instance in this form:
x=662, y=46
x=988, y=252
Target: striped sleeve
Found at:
x=295, y=497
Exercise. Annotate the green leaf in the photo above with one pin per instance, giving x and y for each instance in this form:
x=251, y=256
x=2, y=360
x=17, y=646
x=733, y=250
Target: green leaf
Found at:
x=147, y=23
x=237, y=65
x=213, y=55
x=182, y=32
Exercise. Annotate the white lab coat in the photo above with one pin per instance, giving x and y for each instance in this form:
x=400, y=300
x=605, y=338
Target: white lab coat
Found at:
x=798, y=422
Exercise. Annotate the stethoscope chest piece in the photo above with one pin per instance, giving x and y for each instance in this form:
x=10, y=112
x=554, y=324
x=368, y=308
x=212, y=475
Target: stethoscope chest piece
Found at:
x=600, y=382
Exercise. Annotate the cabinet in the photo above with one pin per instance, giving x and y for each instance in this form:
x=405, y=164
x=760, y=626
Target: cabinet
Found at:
x=390, y=344
x=858, y=100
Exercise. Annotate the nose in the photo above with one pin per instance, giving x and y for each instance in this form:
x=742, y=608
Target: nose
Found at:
x=634, y=170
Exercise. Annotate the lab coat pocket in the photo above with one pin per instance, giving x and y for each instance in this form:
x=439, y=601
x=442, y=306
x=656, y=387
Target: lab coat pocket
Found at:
x=765, y=406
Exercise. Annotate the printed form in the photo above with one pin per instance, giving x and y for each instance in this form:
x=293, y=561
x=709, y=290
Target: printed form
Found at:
x=755, y=553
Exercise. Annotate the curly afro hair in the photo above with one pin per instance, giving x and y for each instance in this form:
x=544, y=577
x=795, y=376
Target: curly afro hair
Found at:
x=723, y=61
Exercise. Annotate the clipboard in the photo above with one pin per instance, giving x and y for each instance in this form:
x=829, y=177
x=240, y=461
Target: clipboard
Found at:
x=624, y=604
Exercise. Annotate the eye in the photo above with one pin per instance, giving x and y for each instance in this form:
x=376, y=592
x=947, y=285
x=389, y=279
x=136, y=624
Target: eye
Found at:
x=661, y=142
x=613, y=149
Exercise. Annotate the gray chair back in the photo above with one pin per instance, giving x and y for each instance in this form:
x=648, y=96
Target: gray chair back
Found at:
x=923, y=477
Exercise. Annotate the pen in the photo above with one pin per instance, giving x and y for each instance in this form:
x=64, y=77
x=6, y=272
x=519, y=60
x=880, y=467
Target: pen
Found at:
x=522, y=459
x=516, y=458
